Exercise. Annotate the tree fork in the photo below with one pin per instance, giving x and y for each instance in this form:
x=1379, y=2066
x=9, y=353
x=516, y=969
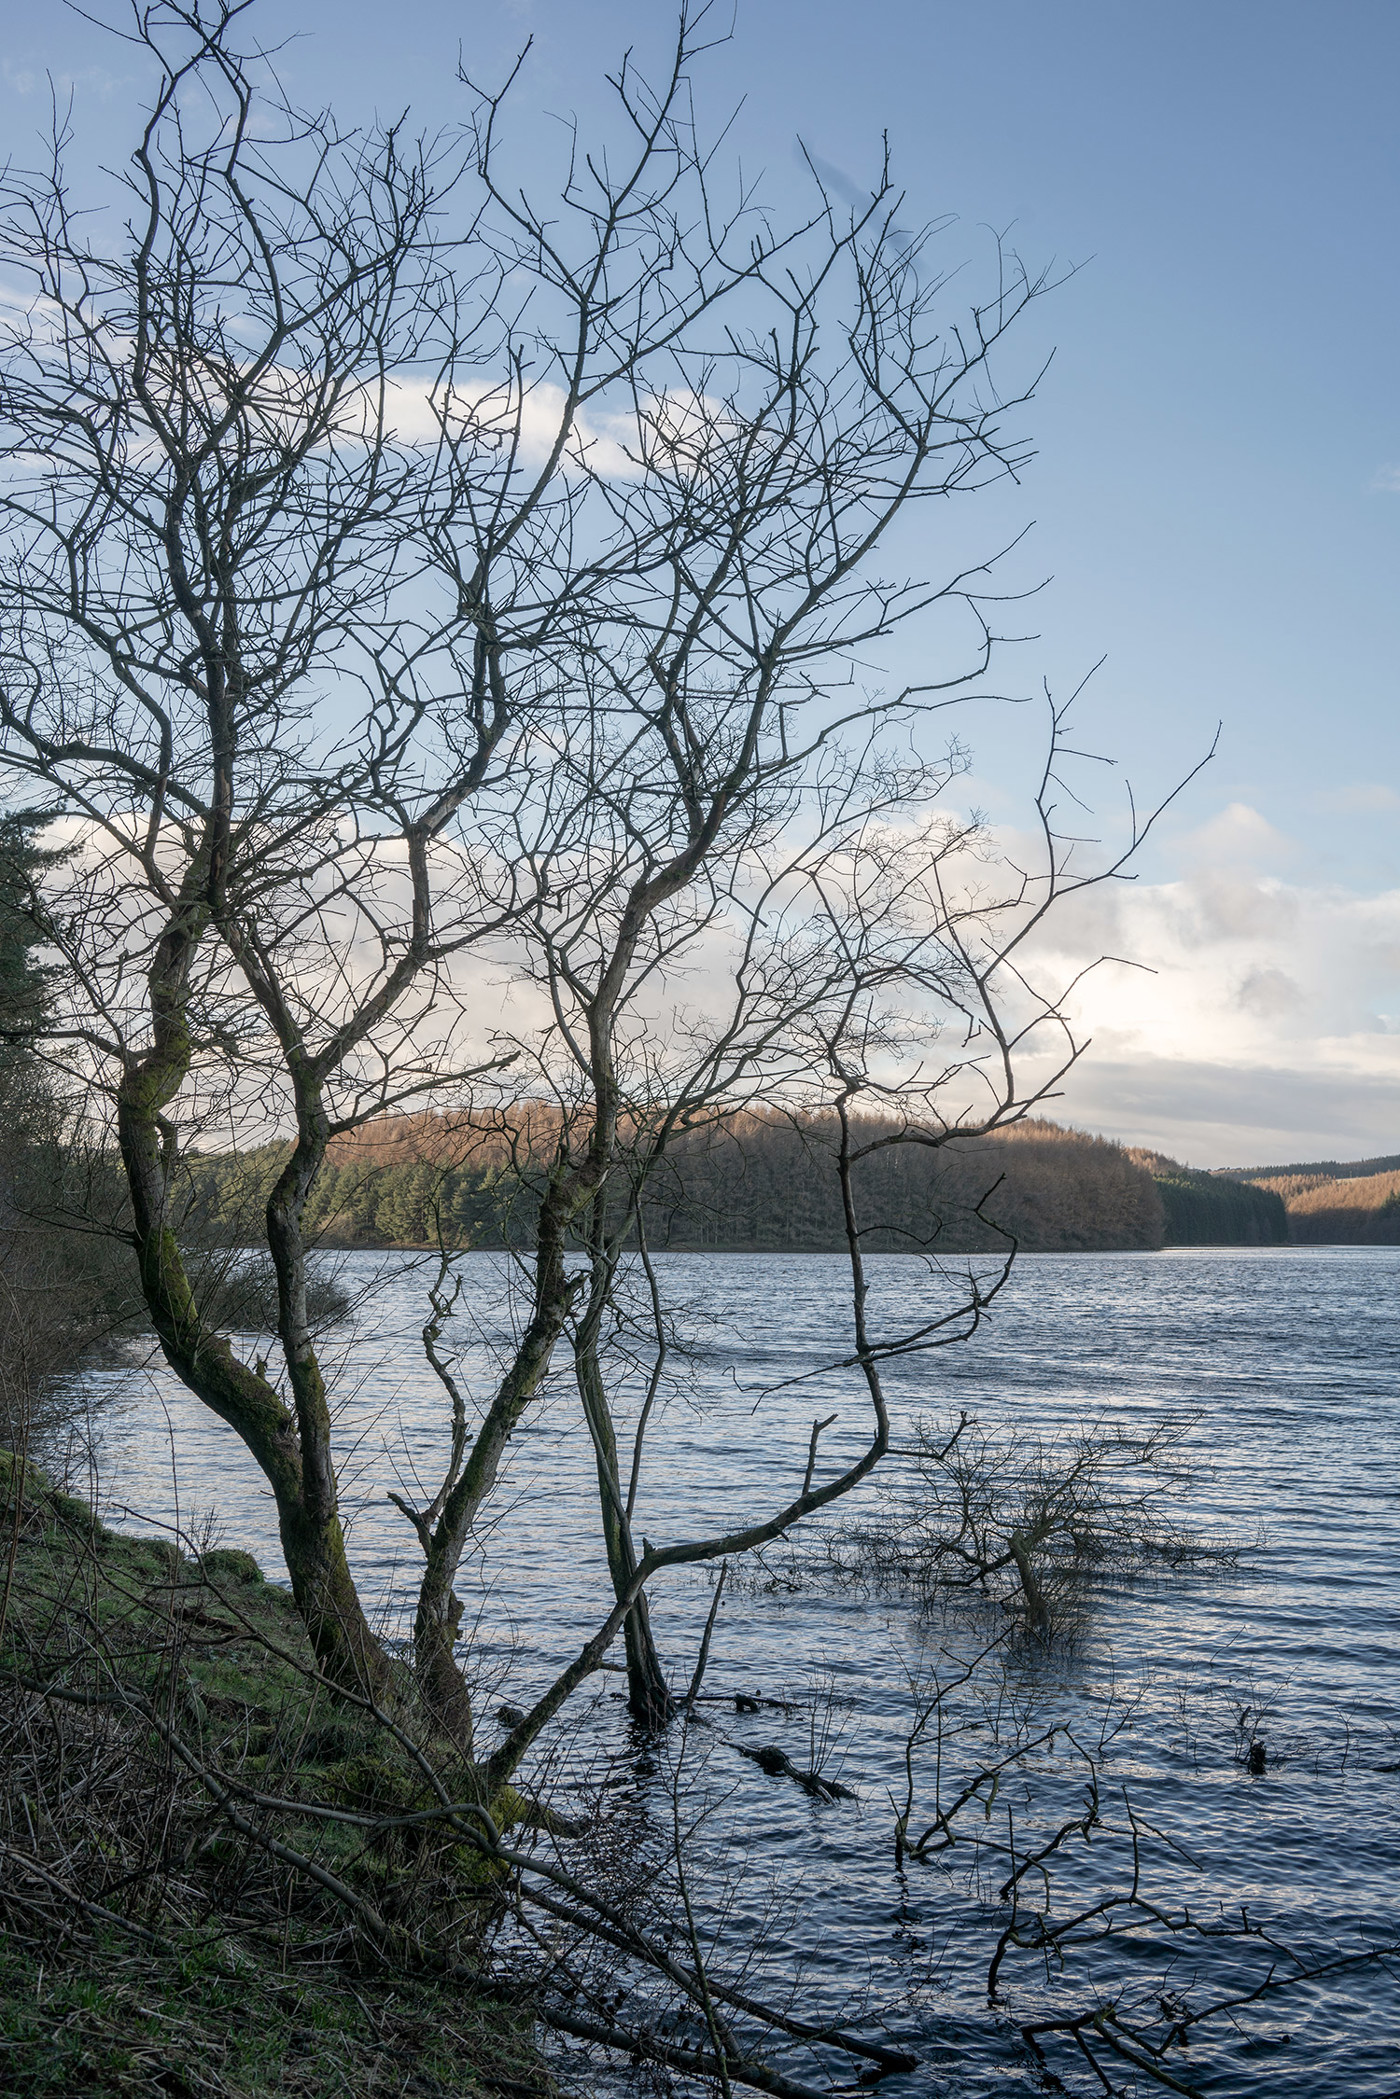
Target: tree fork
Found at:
x=312, y=1540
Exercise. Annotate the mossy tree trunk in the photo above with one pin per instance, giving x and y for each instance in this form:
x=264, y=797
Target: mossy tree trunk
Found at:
x=292, y=1448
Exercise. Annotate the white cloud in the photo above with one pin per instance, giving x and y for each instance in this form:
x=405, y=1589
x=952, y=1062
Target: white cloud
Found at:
x=94, y=80
x=1265, y=1026
x=510, y=418
x=1270, y=992
x=510, y=421
x=1237, y=837
x=1387, y=480
x=416, y=410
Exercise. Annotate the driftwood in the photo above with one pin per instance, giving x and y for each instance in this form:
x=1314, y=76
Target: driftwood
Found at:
x=778, y=1764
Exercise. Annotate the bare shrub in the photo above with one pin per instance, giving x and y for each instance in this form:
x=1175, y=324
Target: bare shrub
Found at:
x=1025, y=1520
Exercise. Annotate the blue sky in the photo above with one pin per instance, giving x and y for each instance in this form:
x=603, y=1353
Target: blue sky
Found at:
x=1217, y=491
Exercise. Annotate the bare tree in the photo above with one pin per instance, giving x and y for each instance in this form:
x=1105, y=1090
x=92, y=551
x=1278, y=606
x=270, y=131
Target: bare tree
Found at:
x=401, y=576
x=285, y=579
x=985, y=1510
x=863, y=958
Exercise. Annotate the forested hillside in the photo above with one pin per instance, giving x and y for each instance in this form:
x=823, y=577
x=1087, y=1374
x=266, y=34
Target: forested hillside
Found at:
x=755, y=1182
x=1313, y=1170
x=1342, y=1210
x=1207, y=1209
x=1332, y=1202
x=768, y=1182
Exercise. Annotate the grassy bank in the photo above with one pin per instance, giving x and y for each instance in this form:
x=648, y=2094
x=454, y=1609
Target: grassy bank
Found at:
x=212, y=1878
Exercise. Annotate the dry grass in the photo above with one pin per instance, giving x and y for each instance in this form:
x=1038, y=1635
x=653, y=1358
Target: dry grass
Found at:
x=160, y=1939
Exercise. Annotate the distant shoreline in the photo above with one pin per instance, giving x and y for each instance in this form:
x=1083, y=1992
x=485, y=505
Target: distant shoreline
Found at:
x=1025, y=1253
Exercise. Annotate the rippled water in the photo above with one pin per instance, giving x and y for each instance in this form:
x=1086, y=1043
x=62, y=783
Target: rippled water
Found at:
x=1290, y=1362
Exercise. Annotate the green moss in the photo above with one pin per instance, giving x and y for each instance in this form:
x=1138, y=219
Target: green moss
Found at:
x=204, y=2024
x=227, y=1563
x=35, y=1482
x=70, y=1509
x=239, y=1999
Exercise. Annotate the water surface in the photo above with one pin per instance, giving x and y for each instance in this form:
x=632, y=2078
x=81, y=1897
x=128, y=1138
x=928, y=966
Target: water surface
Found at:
x=1285, y=1363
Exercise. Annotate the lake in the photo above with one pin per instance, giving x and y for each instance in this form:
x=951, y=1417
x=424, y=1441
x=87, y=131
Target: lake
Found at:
x=1283, y=1368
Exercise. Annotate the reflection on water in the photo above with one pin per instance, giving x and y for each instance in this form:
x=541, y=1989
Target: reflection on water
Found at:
x=1291, y=1359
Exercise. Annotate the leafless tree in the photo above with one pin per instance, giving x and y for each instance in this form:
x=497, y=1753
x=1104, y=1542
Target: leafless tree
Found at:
x=986, y=1506
x=863, y=959
x=405, y=578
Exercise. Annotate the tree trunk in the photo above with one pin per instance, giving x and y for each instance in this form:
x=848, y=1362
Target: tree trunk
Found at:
x=313, y=1543
x=309, y=1524
x=649, y=1698
x=439, y=1610
x=1036, y=1609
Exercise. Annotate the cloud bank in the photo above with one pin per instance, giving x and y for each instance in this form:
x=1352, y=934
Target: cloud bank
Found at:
x=1268, y=1028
